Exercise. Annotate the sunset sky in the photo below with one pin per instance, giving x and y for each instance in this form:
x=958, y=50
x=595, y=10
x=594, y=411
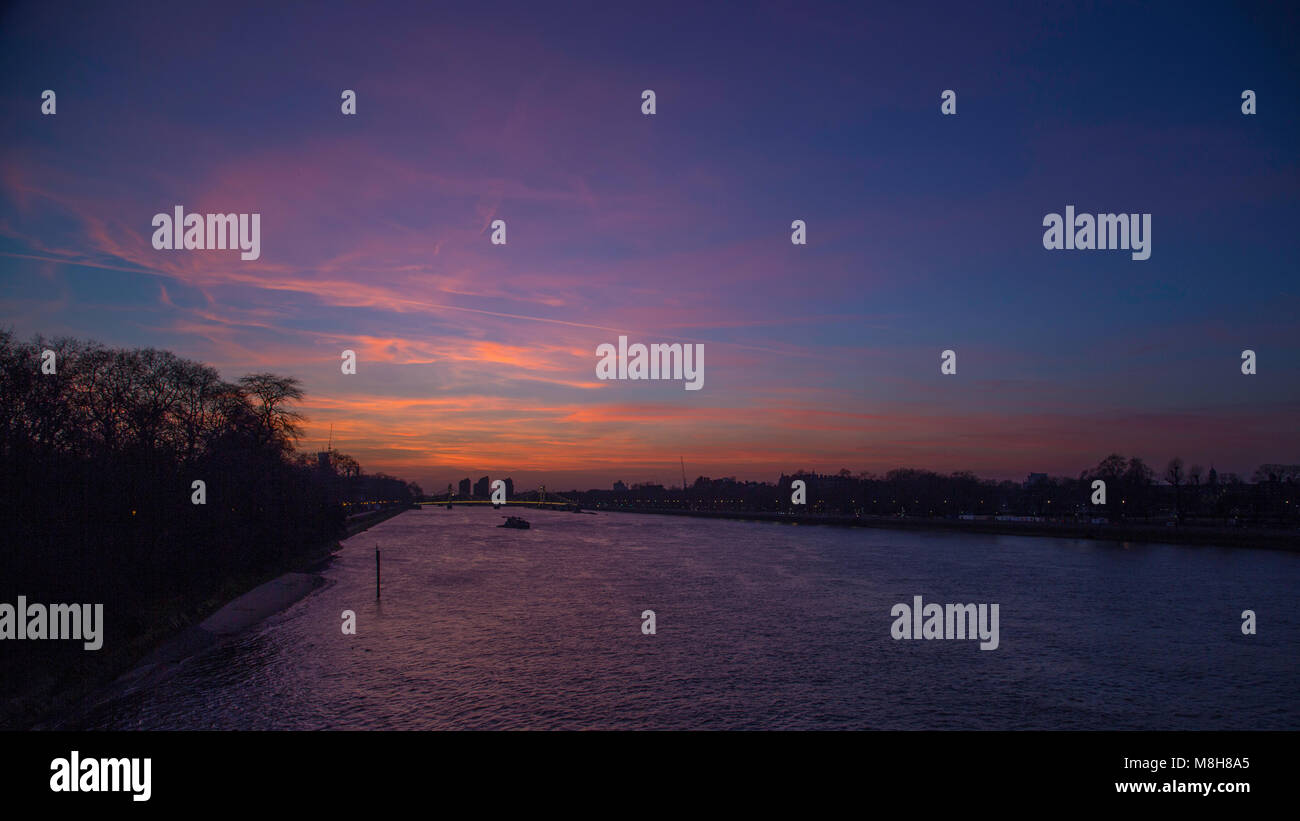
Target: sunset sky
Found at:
x=924, y=231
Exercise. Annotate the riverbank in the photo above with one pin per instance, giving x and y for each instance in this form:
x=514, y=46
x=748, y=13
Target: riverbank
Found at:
x=1288, y=540
x=242, y=604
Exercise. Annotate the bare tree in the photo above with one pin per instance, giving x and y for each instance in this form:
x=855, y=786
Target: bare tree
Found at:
x=272, y=397
x=1174, y=472
x=1174, y=476
x=198, y=405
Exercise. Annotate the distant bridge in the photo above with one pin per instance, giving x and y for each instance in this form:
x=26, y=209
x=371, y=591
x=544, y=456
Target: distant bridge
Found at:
x=539, y=497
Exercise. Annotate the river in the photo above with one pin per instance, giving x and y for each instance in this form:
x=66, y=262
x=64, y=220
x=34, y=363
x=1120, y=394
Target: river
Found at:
x=758, y=625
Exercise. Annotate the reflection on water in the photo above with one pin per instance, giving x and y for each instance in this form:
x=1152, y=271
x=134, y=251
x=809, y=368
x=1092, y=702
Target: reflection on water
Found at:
x=759, y=626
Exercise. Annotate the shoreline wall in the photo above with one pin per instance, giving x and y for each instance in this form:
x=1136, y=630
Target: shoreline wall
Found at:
x=1208, y=536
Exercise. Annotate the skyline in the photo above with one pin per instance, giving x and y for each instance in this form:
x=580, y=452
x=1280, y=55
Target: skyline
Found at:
x=924, y=231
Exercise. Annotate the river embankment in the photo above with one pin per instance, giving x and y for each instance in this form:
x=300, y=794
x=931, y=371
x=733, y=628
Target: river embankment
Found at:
x=208, y=626
x=1268, y=539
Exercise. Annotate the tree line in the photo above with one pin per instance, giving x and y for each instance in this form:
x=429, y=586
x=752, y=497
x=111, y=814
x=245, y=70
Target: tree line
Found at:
x=99, y=451
x=1135, y=492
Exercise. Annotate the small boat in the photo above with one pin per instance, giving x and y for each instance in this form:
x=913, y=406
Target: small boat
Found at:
x=516, y=523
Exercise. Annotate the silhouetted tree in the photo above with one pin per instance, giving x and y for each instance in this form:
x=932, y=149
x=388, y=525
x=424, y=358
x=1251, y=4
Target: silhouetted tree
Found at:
x=97, y=462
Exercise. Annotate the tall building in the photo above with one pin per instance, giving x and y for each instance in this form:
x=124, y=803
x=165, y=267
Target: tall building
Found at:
x=481, y=488
x=464, y=487
x=510, y=488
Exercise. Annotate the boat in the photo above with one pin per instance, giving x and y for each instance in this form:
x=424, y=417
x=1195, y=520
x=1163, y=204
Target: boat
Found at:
x=516, y=523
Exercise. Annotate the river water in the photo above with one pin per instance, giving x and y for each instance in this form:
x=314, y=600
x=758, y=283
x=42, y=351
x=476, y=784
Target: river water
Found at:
x=759, y=625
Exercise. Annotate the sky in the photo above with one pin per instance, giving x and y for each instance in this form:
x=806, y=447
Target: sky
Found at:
x=924, y=231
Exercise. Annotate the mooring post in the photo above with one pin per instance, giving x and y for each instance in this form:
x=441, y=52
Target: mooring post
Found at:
x=376, y=572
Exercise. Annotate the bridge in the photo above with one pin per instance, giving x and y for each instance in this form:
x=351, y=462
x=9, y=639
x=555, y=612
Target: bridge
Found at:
x=538, y=498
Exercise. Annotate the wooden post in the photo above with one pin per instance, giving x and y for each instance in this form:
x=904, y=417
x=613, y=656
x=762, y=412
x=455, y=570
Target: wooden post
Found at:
x=376, y=573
